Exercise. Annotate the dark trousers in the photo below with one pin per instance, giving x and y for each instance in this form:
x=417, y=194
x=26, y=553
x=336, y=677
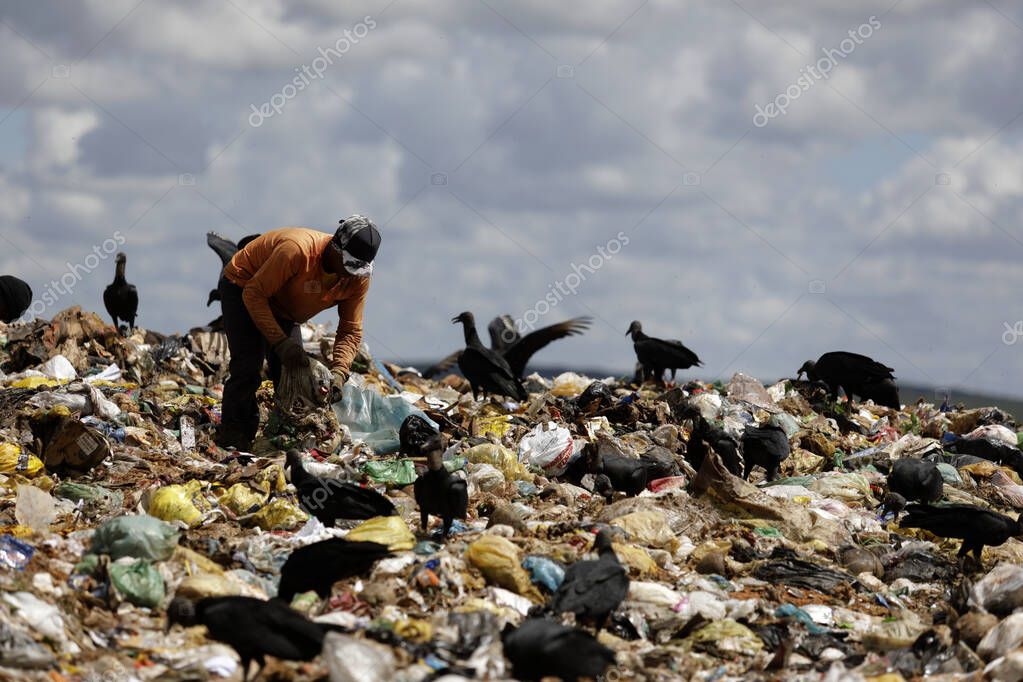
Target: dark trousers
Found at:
x=249, y=348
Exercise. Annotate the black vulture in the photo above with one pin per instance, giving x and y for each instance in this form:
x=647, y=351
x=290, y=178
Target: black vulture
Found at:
x=657, y=355
x=976, y=526
x=627, y=474
x=413, y=435
x=856, y=375
x=438, y=491
x=893, y=503
x=916, y=480
x=542, y=648
x=706, y=437
x=486, y=370
x=515, y=348
x=330, y=499
x=120, y=298
x=593, y=589
x=252, y=627
x=225, y=249
x=15, y=297
x=319, y=565
x=766, y=446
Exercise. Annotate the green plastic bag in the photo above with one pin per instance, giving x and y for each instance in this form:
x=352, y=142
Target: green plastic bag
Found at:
x=395, y=472
x=139, y=582
x=139, y=537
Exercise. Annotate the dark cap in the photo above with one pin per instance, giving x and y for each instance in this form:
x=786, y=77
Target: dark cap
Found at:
x=358, y=240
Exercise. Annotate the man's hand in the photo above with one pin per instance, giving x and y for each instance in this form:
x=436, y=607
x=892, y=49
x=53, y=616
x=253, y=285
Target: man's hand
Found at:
x=291, y=353
x=338, y=377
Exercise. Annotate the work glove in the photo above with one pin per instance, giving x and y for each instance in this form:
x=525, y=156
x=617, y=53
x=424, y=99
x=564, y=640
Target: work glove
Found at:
x=291, y=353
x=338, y=377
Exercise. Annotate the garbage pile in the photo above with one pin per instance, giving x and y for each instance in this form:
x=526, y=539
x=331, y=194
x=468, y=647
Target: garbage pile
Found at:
x=115, y=503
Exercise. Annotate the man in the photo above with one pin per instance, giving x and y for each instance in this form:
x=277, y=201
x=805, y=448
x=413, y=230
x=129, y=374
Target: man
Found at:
x=279, y=279
x=15, y=297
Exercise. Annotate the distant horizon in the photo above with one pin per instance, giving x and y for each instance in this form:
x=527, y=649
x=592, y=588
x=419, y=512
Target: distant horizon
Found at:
x=970, y=396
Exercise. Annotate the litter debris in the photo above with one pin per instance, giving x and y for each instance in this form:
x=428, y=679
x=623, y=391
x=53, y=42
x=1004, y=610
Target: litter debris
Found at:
x=115, y=499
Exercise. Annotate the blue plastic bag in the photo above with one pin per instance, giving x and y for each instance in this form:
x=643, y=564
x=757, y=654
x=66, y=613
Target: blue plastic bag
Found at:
x=375, y=419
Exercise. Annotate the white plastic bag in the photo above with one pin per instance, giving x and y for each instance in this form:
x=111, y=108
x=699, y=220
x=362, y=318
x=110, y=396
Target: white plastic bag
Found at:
x=549, y=447
x=350, y=659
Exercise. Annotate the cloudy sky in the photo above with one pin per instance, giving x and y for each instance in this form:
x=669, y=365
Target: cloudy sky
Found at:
x=872, y=206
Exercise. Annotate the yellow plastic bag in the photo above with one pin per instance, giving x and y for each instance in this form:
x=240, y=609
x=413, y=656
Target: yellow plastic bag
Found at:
x=648, y=528
x=14, y=461
x=499, y=457
x=179, y=503
x=36, y=382
x=280, y=514
x=240, y=499
x=569, y=385
x=195, y=563
x=636, y=559
x=726, y=637
x=384, y=530
x=493, y=426
x=206, y=585
x=270, y=480
x=499, y=561
x=418, y=631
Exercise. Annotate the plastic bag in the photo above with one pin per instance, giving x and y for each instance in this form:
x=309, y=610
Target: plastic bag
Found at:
x=240, y=499
x=206, y=585
x=497, y=558
x=549, y=447
x=35, y=508
x=850, y=487
x=14, y=461
x=303, y=388
x=138, y=582
x=14, y=553
x=1002, y=638
x=726, y=637
x=653, y=593
x=91, y=495
x=393, y=472
x=58, y=367
x=544, y=571
x=44, y=618
x=351, y=659
x=499, y=457
x=649, y=528
x=636, y=559
x=993, y=432
x=749, y=390
x=486, y=477
x=179, y=503
x=375, y=419
x=280, y=514
x=1000, y=591
x=569, y=385
x=385, y=530
x=139, y=537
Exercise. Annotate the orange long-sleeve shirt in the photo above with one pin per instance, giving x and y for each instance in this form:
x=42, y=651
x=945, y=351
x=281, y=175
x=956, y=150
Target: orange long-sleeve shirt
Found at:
x=281, y=273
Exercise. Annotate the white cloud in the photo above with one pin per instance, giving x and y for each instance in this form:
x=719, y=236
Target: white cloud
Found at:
x=57, y=134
